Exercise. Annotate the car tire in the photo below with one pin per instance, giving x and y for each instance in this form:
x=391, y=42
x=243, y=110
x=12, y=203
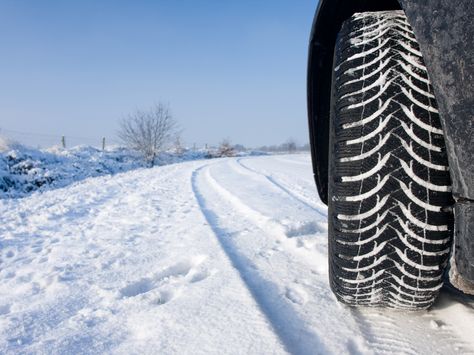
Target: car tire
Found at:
x=390, y=216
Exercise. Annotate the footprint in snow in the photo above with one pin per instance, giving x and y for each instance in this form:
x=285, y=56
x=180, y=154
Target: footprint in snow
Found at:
x=266, y=253
x=164, y=296
x=4, y=309
x=437, y=324
x=303, y=228
x=137, y=288
x=10, y=275
x=37, y=249
x=199, y=276
x=296, y=294
x=167, y=284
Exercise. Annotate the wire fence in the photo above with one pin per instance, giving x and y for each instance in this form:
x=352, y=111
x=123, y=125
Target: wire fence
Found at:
x=43, y=140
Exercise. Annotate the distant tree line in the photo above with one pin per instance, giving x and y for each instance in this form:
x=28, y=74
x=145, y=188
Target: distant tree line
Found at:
x=289, y=146
x=226, y=149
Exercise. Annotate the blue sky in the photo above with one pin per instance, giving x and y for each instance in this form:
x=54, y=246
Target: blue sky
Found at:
x=228, y=69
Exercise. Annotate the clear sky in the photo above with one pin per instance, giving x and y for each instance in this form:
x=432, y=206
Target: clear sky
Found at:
x=227, y=68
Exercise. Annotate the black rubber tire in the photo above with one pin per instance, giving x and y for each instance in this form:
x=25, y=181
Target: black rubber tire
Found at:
x=390, y=221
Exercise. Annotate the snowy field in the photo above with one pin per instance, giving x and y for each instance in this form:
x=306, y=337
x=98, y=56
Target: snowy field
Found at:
x=223, y=256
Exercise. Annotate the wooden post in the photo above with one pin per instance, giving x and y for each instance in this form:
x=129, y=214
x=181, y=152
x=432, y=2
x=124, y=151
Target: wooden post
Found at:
x=103, y=143
x=63, y=141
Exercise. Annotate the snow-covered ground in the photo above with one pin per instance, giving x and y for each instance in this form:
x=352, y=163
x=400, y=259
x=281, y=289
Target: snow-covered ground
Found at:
x=213, y=256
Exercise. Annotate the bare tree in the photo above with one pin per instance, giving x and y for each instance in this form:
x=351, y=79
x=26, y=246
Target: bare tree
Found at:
x=226, y=149
x=148, y=132
x=290, y=145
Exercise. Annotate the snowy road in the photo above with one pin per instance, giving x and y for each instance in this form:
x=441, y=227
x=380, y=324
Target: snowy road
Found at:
x=218, y=256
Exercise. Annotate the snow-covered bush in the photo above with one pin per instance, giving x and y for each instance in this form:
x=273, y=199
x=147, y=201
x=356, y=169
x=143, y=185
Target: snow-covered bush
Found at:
x=24, y=170
x=226, y=149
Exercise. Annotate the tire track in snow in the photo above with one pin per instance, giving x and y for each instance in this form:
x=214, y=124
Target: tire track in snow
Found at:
x=287, y=325
x=290, y=236
x=273, y=181
x=298, y=180
x=382, y=330
x=388, y=331
x=271, y=226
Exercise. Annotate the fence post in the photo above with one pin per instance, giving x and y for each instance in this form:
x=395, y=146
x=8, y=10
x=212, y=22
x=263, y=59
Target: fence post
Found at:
x=103, y=143
x=63, y=141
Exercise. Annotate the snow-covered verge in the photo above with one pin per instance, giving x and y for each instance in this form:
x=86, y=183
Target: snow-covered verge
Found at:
x=24, y=170
x=224, y=256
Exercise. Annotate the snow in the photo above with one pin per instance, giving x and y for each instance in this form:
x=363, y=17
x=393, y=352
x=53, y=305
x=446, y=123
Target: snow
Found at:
x=25, y=170
x=223, y=256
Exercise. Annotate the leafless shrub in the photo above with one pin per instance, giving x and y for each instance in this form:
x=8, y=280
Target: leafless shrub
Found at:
x=226, y=149
x=148, y=132
x=289, y=146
